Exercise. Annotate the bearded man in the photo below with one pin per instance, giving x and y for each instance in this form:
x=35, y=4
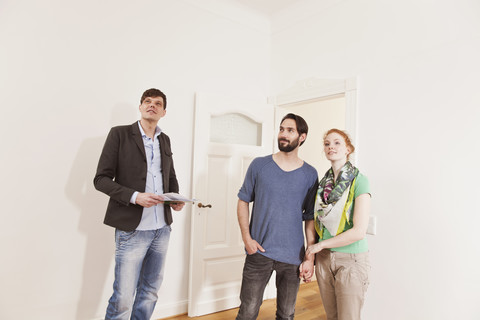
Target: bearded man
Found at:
x=280, y=186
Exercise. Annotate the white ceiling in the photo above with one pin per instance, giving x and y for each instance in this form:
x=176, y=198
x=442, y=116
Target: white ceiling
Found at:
x=267, y=7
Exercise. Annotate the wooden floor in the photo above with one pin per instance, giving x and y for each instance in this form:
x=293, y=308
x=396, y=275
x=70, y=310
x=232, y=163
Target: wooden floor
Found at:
x=309, y=307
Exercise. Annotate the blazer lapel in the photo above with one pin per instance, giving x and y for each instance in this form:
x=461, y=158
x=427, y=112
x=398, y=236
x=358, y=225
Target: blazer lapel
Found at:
x=137, y=137
x=164, y=150
x=161, y=144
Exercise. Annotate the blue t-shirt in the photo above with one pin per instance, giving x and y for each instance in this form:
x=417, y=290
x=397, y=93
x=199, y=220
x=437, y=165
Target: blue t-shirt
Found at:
x=279, y=207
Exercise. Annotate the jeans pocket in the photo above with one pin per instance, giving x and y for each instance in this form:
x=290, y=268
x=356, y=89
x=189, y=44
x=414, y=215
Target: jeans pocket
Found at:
x=125, y=236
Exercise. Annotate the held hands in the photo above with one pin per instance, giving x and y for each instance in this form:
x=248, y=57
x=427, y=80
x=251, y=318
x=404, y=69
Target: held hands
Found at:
x=148, y=200
x=311, y=250
x=306, y=270
x=307, y=267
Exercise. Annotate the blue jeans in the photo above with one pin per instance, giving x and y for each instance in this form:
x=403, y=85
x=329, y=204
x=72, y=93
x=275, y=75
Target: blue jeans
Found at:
x=256, y=273
x=139, y=261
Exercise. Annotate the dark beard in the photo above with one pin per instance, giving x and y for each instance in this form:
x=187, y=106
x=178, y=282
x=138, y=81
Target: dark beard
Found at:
x=289, y=147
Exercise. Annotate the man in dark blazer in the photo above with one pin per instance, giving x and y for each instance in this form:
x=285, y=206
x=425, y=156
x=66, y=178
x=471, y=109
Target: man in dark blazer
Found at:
x=134, y=170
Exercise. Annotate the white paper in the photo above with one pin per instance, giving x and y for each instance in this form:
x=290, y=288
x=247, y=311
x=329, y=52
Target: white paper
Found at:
x=172, y=197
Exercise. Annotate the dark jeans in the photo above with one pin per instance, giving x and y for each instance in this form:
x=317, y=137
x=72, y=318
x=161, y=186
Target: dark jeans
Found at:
x=256, y=273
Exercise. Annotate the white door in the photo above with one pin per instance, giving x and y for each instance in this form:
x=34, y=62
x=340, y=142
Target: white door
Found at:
x=229, y=134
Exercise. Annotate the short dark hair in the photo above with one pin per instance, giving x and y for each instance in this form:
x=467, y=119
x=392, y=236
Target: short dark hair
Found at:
x=302, y=126
x=153, y=93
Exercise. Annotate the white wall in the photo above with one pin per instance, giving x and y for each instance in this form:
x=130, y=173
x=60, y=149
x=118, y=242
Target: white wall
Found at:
x=417, y=66
x=69, y=71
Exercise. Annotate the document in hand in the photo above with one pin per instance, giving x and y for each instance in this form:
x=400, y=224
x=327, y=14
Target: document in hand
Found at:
x=175, y=197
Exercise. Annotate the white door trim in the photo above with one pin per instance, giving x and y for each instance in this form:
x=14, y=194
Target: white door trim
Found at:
x=315, y=88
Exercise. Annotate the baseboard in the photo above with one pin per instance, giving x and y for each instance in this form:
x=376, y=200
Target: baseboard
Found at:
x=168, y=310
x=211, y=306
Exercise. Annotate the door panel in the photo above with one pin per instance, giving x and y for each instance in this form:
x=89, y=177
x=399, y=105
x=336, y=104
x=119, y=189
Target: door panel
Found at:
x=229, y=134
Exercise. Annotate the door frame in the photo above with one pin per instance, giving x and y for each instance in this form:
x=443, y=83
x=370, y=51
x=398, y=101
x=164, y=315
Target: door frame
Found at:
x=315, y=88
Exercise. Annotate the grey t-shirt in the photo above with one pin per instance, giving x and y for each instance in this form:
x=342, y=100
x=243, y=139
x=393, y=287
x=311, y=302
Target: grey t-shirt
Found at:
x=279, y=207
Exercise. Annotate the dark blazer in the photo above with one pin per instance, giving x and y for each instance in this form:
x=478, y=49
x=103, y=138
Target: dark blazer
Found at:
x=122, y=170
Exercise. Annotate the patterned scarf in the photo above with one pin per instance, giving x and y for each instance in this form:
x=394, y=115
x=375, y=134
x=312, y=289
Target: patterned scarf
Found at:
x=329, y=192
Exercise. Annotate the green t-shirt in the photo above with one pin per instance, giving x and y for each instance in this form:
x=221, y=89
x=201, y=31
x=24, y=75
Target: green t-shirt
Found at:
x=361, y=186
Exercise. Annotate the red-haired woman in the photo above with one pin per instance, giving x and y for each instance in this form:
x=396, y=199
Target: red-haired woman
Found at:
x=342, y=207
